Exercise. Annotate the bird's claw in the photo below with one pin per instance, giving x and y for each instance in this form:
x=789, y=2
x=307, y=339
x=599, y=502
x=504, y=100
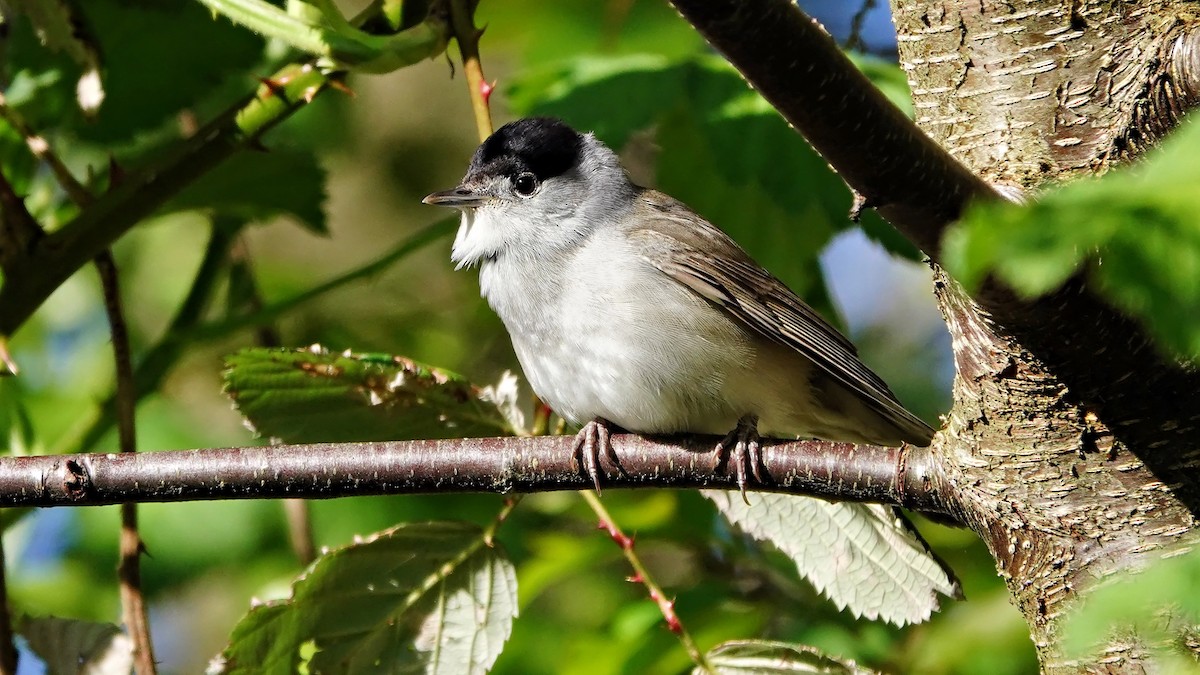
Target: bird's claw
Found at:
x=743, y=452
x=593, y=439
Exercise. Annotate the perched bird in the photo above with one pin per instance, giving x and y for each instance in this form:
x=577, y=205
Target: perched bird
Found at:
x=627, y=308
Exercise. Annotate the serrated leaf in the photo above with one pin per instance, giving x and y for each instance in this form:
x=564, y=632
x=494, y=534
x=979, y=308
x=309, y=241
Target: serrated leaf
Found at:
x=74, y=646
x=428, y=598
x=764, y=657
x=313, y=395
x=863, y=557
x=259, y=185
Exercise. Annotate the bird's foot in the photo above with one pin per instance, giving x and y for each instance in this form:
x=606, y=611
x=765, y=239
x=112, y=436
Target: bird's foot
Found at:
x=593, y=439
x=741, y=451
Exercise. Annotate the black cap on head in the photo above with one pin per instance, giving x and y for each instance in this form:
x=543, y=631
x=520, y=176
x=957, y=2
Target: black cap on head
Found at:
x=543, y=146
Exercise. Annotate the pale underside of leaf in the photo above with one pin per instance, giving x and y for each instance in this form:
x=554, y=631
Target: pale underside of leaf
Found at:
x=861, y=556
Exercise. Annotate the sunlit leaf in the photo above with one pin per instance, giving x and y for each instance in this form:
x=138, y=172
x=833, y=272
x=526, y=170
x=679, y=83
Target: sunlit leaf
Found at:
x=861, y=556
x=313, y=395
x=430, y=598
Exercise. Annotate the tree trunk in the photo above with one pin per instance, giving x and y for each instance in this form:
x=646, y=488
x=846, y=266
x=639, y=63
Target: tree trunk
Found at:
x=1025, y=92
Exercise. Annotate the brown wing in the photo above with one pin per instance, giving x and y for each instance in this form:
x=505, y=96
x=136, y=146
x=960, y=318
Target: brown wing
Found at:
x=703, y=258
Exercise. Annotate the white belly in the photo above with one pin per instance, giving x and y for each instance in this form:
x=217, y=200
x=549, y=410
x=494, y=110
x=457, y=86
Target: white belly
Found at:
x=635, y=348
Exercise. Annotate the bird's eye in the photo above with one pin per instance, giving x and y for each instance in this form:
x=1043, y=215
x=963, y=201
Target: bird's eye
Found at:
x=525, y=184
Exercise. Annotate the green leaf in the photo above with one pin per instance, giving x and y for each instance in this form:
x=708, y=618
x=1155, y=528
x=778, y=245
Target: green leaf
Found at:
x=313, y=395
x=56, y=27
x=427, y=598
x=17, y=434
x=73, y=646
x=157, y=59
x=318, y=28
x=763, y=657
x=863, y=557
x=1134, y=232
x=259, y=185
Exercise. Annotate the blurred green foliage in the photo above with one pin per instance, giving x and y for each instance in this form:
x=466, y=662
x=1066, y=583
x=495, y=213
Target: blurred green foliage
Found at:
x=1155, y=608
x=350, y=172
x=1133, y=232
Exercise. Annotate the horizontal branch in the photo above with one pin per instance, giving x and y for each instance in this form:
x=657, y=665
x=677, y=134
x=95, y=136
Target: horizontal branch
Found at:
x=842, y=471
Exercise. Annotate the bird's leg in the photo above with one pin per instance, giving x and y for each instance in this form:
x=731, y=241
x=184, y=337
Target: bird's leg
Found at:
x=741, y=449
x=593, y=439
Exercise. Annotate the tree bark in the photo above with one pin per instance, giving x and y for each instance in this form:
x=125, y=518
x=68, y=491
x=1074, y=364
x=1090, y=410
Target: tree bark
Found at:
x=1026, y=93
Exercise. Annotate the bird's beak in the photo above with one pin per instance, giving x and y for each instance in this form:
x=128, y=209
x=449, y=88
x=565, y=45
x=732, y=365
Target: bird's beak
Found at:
x=459, y=197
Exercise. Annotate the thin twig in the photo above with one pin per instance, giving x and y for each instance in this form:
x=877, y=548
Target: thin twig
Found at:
x=8, y=649
x=41, y=149
x=31, y=278
x=855, y=39
x=467, y=37
x=156, y=361
x=642, y=575
x=510, y=503
x=133, y=602
x=186, y=328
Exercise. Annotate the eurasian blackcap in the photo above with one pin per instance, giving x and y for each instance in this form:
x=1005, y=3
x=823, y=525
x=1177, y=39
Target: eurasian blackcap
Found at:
x=625, y=306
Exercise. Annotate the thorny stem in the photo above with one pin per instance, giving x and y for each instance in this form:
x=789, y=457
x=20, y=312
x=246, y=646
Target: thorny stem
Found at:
x=467, y=37
x=642, y=576
x=541, y=417
x=129, y=571
x=133, y=603
x=510, y=503
x=31, y=277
